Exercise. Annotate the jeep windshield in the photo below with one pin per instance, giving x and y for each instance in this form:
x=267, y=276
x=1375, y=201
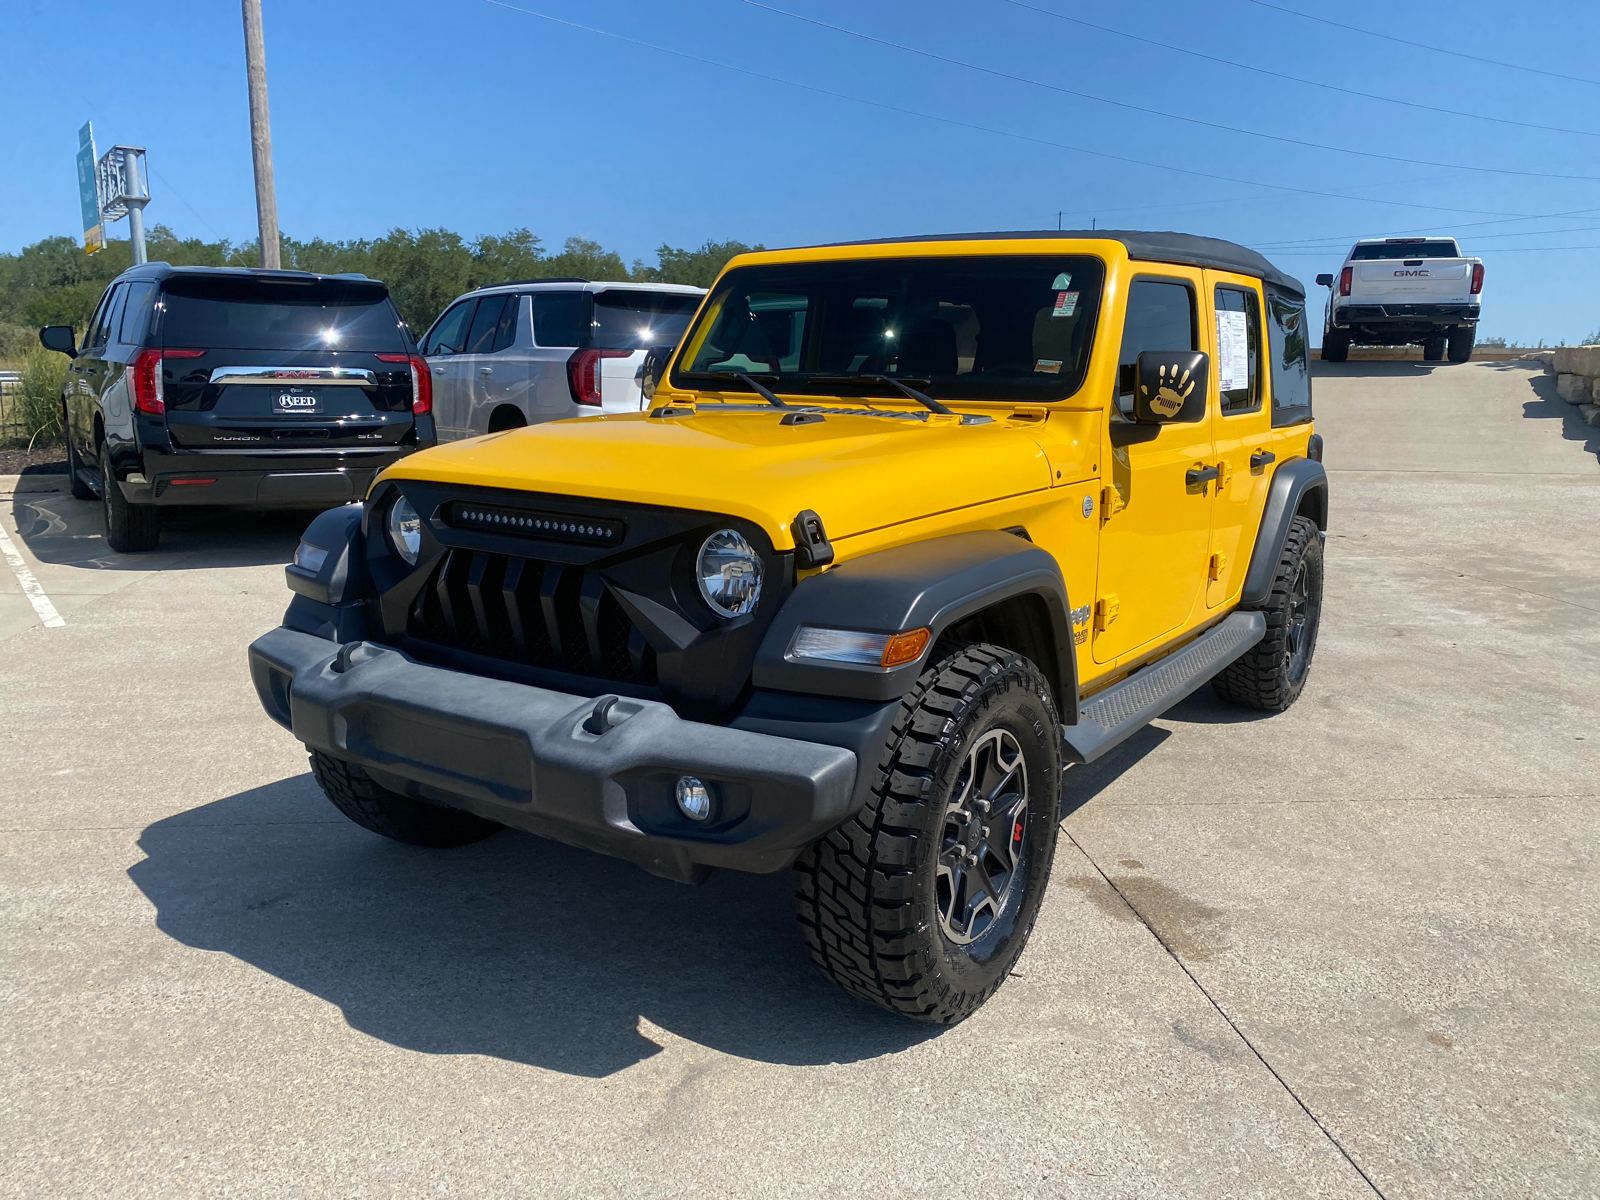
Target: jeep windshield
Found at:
x=994, y=327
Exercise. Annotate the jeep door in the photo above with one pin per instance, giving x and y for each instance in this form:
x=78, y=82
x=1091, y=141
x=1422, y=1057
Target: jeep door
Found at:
x=1155, y=533
x=442, y=347
x=1243, y=430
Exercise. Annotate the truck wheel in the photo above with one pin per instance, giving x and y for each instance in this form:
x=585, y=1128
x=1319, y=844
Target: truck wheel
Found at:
x=922, y=902
x=1273, y=674
x=1462, y=339
x=372, y=806
x=130, y=528
x=1433, y=349
x=1335, y=347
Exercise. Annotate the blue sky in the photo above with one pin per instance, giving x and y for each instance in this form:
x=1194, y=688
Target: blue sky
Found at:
x=480, y=118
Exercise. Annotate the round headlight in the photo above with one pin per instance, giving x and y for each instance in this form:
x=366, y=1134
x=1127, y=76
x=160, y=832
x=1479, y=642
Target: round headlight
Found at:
x=405, y=530
x=729, y=572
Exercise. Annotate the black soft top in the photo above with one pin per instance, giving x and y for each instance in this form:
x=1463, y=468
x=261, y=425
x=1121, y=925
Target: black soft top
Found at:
x=1185, y=248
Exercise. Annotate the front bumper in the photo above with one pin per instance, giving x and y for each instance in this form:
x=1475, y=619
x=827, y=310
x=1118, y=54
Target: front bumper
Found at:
x=520, y=755
x=308, y=480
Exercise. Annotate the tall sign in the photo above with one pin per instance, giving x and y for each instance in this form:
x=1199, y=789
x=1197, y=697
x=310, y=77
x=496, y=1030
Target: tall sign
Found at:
x=94, y=230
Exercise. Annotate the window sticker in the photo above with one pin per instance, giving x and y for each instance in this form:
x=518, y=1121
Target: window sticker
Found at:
x=1048, y=366
x=1063, y=281
x=1066, y=304
x=1233, y=350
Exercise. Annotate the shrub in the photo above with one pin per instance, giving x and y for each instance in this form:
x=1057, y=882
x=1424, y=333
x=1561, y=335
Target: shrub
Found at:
x=38, y=400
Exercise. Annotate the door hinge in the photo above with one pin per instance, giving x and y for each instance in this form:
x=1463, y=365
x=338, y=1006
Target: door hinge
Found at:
x=1111, y=502
x=1219, y=564
x=1224, y=473
x=1105, y=611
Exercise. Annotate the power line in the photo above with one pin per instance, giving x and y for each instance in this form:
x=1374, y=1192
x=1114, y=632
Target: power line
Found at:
x=1022, y=137
x=1335, y=243
x=1501, y=250
x=1332, y=87
x=1493, y=62
x=1574, y=212
x=1156, y=112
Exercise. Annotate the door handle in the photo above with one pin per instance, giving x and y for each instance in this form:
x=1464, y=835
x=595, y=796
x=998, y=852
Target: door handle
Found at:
x=485, y=370
x=1203, y=475
x=438, y=370
x=1259, y=460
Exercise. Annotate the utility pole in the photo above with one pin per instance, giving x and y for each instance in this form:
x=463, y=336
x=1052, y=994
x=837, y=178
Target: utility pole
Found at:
x=255, y=56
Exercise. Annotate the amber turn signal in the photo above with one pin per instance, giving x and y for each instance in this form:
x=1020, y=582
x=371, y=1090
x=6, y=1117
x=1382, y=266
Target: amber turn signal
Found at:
x=906, y=647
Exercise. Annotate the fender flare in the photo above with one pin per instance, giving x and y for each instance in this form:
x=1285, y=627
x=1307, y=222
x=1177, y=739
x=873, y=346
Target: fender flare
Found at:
x=933, y=584
x=1299, y=486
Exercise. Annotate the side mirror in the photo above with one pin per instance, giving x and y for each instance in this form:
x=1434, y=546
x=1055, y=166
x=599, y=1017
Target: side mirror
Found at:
x=59, y=338
x=1325, y=281
x=653, y=369
x=1170, y=386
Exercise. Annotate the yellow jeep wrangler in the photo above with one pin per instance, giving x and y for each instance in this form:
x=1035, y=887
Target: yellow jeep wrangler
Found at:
x=907, y=527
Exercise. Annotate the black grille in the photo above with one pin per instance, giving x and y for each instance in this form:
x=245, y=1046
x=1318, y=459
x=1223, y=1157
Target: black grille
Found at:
x=526, y=611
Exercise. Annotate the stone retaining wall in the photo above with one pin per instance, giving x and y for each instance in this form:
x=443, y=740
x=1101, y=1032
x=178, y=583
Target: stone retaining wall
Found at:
x=1577, y=372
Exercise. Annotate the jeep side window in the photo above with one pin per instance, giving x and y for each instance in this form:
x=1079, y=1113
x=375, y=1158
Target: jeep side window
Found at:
x=1290, y=358
x=1246, y=393
x=449, y=332
x=1160, y=316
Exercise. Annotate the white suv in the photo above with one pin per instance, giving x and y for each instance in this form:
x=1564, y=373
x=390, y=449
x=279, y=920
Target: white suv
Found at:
x=546, y=349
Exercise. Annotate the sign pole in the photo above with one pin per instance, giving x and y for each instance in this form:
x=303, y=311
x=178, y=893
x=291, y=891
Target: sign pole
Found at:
x=255, y=55
x=136, y=189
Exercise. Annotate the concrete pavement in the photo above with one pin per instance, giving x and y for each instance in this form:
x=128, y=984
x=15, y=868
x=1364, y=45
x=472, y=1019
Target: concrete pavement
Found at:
x=1342, y=952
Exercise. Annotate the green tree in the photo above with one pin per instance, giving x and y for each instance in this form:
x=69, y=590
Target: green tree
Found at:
x=698, y=267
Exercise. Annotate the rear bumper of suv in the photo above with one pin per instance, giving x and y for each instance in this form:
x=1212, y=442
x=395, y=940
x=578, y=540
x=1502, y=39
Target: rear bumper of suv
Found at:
x=527, y=757
x=257, y=481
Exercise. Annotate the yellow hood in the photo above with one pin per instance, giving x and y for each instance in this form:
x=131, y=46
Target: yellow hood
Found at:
x=857, y=472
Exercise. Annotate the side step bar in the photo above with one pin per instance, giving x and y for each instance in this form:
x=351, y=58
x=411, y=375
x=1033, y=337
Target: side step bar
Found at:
x=1110, y=717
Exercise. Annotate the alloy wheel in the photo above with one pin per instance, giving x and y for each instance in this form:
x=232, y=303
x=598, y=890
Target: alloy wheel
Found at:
x=983, y=839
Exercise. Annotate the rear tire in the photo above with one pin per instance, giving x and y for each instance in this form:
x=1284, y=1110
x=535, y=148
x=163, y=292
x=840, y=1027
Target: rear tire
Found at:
x=1335, y=347
x=922, y=903
x=1462, y=340
x=372, y=806
x=130, y=528
x=1433, y=349
x=1271, y=676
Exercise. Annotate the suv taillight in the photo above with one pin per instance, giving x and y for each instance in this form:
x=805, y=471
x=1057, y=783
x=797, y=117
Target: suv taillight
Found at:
x=1344, y=281
x=1477, y=278
x=421, y=381
x=583, y=374
x=145, y=370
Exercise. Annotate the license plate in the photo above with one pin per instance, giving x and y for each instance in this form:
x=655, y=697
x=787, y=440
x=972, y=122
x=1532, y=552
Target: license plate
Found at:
x=296, y=402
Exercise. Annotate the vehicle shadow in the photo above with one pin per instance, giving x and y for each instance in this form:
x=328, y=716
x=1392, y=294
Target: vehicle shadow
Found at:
x=517, y=947
x=1081, y=783
x=66, y=532
x=1387, y=369
x=1549, y=406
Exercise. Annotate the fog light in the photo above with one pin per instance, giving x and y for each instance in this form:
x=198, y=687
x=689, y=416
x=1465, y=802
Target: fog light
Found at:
x=694, y=799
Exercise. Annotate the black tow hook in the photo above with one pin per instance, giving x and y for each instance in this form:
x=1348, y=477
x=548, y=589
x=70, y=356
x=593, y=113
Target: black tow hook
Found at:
x=599, y=718
x=351, y=654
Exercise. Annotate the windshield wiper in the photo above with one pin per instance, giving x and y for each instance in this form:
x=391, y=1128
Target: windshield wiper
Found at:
x=927, y=402
x=759, y=389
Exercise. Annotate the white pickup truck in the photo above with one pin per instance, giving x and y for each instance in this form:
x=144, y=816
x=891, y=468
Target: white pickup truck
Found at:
x=1404, y=292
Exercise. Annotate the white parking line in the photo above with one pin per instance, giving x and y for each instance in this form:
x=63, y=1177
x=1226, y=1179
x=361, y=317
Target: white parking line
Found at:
x=30, y=586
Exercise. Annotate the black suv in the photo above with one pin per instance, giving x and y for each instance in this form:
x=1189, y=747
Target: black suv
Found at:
x=216, y=386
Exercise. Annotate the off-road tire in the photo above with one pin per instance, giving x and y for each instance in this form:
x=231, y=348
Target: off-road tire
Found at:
x=80, y=489
x=130, y=528
x=372, y=806
x=1433, y=349
x=1273, y=673
x=870, y=891
x=1462, y=340
x=1335, y=347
